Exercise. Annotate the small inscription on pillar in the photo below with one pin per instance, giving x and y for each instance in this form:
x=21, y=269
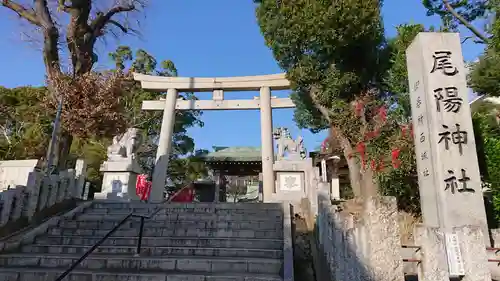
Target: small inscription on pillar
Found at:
x=455, y=261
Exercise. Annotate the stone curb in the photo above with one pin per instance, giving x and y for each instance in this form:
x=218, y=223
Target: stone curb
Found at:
x=30, y=235
x=288, y=274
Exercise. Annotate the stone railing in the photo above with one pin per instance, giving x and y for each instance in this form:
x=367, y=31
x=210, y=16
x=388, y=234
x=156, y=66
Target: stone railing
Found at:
x=365, y=247
x=41, y=192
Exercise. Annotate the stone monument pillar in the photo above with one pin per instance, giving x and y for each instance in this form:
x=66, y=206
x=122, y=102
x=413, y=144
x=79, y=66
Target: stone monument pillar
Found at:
x=448, y=170
x=448, y=173
x=121, y=168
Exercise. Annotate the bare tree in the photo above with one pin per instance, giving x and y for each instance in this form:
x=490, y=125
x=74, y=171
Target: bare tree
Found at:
x=86, y=23
x=81, y=23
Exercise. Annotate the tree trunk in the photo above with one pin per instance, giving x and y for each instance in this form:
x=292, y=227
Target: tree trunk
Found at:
x=51, y=52
x=81, y=39
x=65, y=141
x=352, y=162
x=362, y=179
x=354, y=175
x=50, y=37
x=369, y=185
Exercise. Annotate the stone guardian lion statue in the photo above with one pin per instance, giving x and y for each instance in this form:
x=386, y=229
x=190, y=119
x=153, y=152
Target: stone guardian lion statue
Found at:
x=125, y=145
x=285, y=144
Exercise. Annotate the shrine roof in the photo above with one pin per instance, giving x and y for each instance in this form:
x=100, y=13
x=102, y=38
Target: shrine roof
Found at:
x=234, y=153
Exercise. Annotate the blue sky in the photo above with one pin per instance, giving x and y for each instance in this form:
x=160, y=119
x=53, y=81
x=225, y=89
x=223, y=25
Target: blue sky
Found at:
x=206, y=39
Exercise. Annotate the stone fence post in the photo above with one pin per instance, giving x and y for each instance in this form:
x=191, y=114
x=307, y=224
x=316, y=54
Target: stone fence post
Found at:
x=80, y=174
x=18, y=202
x=7, y=198
x=62, y=186
x=33, y=190
x=55, y=183
x=44, y=196
x=39, y=192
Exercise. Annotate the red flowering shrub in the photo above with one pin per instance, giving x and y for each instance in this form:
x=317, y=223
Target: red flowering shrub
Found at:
x=394, y=158
x=381, y=142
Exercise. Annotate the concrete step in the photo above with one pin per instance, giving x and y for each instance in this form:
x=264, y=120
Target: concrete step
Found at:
x=258, y=213
x=246, y=243
x=173, y=232
x=156, y=251
x=50, y=274
x=198, y=205
x=145, y=264
x=134, y=223
x=195, y=207
x=184, y=216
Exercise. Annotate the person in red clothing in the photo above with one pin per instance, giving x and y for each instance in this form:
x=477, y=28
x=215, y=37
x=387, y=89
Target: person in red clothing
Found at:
x=142, y=187
x=185, y=195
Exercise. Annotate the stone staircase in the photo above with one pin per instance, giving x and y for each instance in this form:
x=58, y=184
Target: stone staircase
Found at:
x=182, y=242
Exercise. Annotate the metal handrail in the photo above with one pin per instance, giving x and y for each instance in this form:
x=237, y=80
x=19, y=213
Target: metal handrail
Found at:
x=123, y=221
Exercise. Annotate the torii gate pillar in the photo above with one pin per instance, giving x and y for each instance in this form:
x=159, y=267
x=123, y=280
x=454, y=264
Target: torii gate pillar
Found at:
x=164, y=147
x=267, y=147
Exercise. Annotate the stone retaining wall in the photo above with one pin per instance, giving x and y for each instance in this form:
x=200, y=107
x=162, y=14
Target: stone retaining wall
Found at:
x=365, y=248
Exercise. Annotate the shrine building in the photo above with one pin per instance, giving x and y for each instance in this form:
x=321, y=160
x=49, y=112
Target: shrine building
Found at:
x=241, y=166
x=232, y=169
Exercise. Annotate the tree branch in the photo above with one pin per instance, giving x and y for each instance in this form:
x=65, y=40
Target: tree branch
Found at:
x=465, y=22
x=43, y=14
x=323, y=110
x=4, y=132
x=466, y=38
x=63, y=7
x=51, y=38
x=104, y=18
x=364, y=122
x=120, y=26
x=23, y=12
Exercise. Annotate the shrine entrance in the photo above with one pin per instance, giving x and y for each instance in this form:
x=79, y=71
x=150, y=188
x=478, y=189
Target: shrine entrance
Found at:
x=237, y=173
x=217, y=86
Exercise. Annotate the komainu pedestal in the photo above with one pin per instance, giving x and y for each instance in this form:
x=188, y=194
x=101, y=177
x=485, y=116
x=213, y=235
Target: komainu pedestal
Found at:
x=296, y=177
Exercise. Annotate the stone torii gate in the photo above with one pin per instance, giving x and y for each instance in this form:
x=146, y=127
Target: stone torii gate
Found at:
x=173, y=85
